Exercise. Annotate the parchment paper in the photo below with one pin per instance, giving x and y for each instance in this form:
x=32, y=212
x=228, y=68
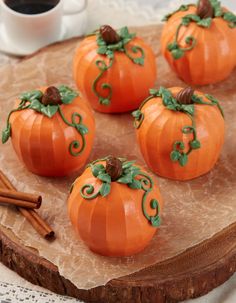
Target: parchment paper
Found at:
x=194, y=211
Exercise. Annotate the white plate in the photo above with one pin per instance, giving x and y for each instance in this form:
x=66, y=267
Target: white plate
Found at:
x=72, y=26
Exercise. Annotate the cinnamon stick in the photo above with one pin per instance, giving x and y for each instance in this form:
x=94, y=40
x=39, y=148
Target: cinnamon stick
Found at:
x=31, y=215
x=12, y=197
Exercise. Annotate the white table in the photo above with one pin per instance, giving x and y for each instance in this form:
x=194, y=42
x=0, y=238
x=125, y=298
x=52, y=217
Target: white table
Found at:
x=117, y=13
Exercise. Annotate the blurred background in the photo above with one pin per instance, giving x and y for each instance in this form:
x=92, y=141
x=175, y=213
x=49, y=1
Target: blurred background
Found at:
x=138, y=12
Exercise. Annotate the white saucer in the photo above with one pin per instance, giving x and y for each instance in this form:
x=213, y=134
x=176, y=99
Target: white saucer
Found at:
x=72, y=26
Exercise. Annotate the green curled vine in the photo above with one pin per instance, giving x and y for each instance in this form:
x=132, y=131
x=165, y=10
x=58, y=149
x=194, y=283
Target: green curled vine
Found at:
x=103, y=67
x=109, y=42
x=48, y=104
x=147, y=186
x=184, y=102
x=206, y=11
x=123, y=172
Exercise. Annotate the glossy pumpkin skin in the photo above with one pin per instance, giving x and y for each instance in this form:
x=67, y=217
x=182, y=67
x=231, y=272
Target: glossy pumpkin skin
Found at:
x=113, y=225
x=130, y=82
x=162, y=127
x=211, y=60
x=42, y=143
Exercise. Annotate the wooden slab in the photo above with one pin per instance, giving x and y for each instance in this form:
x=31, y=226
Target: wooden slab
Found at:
x=188, y=275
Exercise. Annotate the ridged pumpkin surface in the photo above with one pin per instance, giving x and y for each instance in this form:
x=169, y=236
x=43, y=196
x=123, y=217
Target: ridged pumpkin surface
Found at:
x=162, y=127
x=113, y=225
x=42, y=143
x=130, y=82
x=211, y=60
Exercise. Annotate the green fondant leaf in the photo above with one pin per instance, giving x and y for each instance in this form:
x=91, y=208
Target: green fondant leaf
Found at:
x=177, y=53
x=195, y=144
x=231, y=18
x=172, y=107
x=97, y=168
x=110, y=54
x=114, y=47
x=183, y=159
x=124, y=32
x=217, y=8
x=104, y=177
x=188, y=109
x=139, y=61
x=104, y=101
x=133, y=170
x=165, y=93
x=102, y=50
x=197, y=99
x=126, y=40
x=127, y=164
x=49, y=110
x=29, y=96
x=136, y=184
x=189, y=18
x=105, y=189
x=100, y=41
x=156, y=221
x=172, y=46
x=82, y=129
x=6, y=133
x=137, y=114
x=154, y=92
x=36, y=105
x=67, y=94
x=205, y=22
x=126, y=179
x=175, y=155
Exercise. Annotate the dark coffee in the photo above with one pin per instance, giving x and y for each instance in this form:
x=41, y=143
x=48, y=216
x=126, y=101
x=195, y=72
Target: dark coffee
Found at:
x=31, y=7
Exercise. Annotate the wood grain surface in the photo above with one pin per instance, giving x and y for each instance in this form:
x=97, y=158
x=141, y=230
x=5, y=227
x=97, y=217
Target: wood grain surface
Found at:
x=188, y=275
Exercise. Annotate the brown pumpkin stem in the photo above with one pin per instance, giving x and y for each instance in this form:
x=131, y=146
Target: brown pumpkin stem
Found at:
x=109, y=35
x=185, y=96
x=205, y=9
x=114, y=168
x=51, y=96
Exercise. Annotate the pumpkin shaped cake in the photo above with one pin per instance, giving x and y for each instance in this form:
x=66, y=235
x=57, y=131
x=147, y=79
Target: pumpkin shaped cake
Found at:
x=114, y=70
x=52, y=130
x=115, y=207
x=180, y=132
x=198, y=41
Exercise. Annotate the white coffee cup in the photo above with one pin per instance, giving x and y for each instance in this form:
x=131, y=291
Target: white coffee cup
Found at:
x=31, y=32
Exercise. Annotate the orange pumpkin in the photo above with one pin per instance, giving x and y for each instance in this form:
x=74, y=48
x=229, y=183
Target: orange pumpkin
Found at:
x=199, y=42
x=114, y=70
x=115, y=207
x=180, y=133
x=52, y=131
